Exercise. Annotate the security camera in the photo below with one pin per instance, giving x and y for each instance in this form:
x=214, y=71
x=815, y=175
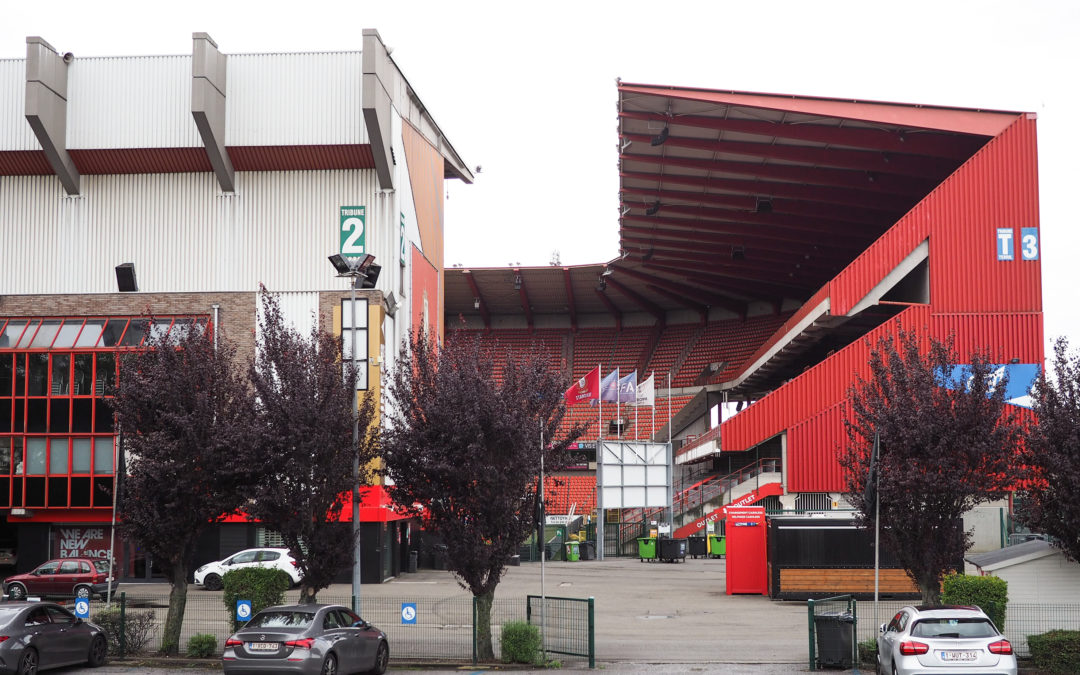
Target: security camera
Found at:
x=69, y=57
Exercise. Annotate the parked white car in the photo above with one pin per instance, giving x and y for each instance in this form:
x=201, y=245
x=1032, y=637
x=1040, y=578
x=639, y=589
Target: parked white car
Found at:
x=209, y=575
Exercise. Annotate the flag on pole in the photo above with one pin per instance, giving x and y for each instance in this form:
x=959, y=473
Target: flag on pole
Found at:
x=609, y=387
x=628, y=388
x=646, y=393
x=585, y=389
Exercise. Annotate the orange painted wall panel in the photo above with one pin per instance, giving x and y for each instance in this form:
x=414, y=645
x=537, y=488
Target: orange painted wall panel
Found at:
x=426, y=176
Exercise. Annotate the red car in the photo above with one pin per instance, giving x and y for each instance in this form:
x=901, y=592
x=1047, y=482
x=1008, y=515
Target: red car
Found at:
x=62, y=577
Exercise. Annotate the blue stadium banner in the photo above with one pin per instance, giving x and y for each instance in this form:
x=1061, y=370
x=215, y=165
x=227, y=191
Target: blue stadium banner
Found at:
x=1029, y=243
x=1004, y=243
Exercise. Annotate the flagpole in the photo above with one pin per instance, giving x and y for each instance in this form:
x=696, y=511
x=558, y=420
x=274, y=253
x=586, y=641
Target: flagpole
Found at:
x=652, y=428
x=636, y=406
x=618, y=404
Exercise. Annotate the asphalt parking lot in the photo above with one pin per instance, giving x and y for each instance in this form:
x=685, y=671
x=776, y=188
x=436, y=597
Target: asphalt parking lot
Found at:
x=652, y=616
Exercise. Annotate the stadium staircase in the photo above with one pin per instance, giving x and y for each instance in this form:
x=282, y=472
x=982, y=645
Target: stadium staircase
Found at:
x=703, y=502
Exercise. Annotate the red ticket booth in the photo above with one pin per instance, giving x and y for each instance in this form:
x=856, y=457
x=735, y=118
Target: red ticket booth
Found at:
x=746, y=561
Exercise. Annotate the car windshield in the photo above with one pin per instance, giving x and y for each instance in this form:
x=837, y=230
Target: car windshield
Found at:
x=280, y=619
x=953, y=628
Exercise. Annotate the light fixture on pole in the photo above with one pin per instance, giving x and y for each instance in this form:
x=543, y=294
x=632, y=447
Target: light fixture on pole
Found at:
x=362, y=272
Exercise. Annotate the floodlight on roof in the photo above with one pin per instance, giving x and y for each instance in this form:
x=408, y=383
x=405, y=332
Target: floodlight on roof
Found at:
x=340, y=263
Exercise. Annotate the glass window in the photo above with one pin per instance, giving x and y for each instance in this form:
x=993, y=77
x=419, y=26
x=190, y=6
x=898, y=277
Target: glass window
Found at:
x=361, y=344
x=60, y=616
x=69, y=567
x=61, y=374
x=267, y=556
x=80, y=455
x=82, y=380
x=48, y=568
x=11, y=334
x=20, y=374
x=65, y=339
x=246, y=557
x=6, y=375
x=46, y=334
x=281, y=619
x=5, y=456
x=133, y=336
x=38, y=380
x=159, y=328
x=17, y=453
x=36, y=449
x=90, y=333
x=361, y=313
x=181, y=328
x=24, y=341
x=105, y=376
x=38, y=617
x=103, y=455
x=114, y=329
x=58, y=456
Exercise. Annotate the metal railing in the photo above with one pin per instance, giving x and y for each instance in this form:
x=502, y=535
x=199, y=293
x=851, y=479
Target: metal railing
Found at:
x=443, y=629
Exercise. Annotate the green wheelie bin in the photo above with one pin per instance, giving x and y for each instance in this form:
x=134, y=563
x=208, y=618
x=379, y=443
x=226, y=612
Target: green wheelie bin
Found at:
x=646, y=547
x=573, y=553
x=717, y=545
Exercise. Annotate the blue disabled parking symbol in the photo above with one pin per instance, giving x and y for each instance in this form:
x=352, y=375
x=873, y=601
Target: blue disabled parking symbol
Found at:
x=243, y=610
x=408, y=612
x=82, y=608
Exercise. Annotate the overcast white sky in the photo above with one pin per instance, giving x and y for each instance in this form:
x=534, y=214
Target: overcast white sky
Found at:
x=527, y=91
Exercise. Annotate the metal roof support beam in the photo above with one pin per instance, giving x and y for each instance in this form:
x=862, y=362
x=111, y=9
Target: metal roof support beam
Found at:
x=737, y=282
x=680, y=200
x=378, y=76
x=661, y=318
x=611, y=308
x=919, y=142
x=46, y=107
x=882, y=182
x=208, y=69
x=702, y=310
x=676, y=290
x=570, y=301
x=476, y=294
x=692, y=239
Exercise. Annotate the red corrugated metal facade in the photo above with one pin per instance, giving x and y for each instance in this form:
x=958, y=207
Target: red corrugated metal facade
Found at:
x=985, y=301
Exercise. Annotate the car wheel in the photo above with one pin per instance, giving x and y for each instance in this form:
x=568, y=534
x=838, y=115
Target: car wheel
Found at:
x=28, y=662
x=329, y=666
x=82, y=592
x=99, y=650
x=17, y=591
x=382, y=659
x=212, y=582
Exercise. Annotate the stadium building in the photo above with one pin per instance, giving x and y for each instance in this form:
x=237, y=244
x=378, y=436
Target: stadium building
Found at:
x=764, y=242
x=176, y=185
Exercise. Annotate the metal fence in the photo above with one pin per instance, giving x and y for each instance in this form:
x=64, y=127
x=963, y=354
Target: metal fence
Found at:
x=1021, y=620
x=443, y=629
x=828, y=618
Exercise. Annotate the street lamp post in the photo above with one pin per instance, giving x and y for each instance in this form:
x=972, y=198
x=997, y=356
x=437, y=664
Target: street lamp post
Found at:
x=355, y=272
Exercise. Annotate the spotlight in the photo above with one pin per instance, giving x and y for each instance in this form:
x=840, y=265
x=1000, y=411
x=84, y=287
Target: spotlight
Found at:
x=660, y=138
x=125, y=278
x=602, y=284
x=476, y=303
x=651, y=211
x=340, y=263
x=764, y=205
x=370, y=274
x=738, y=253
x=517, y=282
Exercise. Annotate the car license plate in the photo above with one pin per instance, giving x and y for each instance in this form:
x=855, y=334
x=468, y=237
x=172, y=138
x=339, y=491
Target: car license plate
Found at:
x=958, y=655
x=262, y=646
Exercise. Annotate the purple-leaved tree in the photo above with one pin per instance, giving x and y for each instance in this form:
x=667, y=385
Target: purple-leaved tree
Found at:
x=463, y=448
x=947, y=444
x=1050, y=503
x=304, y=415
x=185, y=416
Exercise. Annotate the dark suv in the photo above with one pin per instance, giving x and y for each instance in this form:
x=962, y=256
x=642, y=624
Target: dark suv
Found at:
x=62, y=577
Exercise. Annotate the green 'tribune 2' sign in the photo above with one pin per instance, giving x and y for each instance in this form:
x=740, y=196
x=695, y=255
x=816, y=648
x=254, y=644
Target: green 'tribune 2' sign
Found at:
x=353, y=231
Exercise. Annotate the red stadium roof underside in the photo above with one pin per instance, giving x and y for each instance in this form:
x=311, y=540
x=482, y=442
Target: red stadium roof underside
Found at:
x=729, y=199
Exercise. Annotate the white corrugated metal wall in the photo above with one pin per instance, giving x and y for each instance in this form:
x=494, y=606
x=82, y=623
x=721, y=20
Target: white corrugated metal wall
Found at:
x=183, y=234
x=15, y=132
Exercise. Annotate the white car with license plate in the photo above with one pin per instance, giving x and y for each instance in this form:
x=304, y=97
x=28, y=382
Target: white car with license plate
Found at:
x=954, y=640
x=209, y=575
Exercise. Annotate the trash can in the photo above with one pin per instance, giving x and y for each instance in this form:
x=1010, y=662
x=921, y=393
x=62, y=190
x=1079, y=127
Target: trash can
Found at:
x=696, y=546
x=440, y=556
x=671, y=550
x=717, y=545
x=414, y=557
x=834, y=631
x=573, y=554
x=588, y=550
x=646, y=548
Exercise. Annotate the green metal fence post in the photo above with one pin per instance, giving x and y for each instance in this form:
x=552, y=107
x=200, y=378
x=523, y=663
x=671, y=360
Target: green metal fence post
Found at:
x=853, y=608
x=810, y=615
x=123, y=623
x=474, y=630
x=592, y=633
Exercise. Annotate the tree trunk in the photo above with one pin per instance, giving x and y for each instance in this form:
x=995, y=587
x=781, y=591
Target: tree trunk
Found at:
x=170, y=639
x=482, y=630
x=307, y=594
x=930, y=589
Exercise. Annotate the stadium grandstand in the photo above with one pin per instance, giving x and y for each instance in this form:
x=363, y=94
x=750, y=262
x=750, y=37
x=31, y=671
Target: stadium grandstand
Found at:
x=765, y=242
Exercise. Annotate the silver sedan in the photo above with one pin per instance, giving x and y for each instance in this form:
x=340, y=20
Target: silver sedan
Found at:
x=956, y=640
x=41, y=635
x=307, y=639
